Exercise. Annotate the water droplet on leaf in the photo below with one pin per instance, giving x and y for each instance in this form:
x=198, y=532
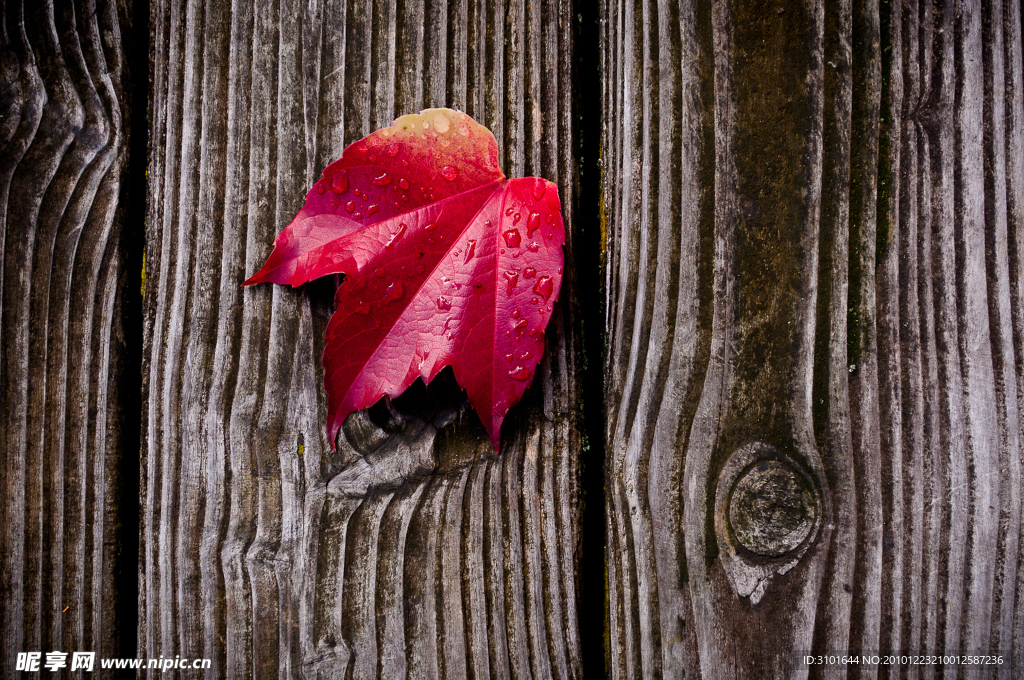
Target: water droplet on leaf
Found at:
x=512, y=238
x=394, y=292
x=350, y=206
x=470, y=249
x=382, y=180
x=394, y=237
x=443, y=303
x=513, y=279
x=404, y=184
x=533, y=224
x=449, y=173
x=544, y=286
x=339, y=182
x=529, y=273
x=539, y=187
x=520, y=373
x=381, y=272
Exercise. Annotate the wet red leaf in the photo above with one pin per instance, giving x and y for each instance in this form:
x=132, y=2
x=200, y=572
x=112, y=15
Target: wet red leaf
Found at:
x=446, y=263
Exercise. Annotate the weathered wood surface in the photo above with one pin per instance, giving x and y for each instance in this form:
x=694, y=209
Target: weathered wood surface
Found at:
x=63, y=153
x=413, y=551
x=816, y=333
x=815, y=323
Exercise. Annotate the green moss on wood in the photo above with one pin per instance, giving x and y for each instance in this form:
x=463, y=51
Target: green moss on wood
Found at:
x=884, y=206
x=864, y=162
x=705, y=254
x=776, y=120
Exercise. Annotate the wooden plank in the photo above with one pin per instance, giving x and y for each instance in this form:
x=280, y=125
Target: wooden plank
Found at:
x=814, y=298
x=63, y=358
x=411, y=551
x=1014, y=154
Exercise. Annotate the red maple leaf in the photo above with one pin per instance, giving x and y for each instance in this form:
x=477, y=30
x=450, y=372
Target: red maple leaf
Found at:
x=446, y=263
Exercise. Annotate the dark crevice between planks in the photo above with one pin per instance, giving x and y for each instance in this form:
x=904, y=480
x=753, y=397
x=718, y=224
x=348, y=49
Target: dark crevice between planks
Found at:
x=132, y=245
x=592, y=608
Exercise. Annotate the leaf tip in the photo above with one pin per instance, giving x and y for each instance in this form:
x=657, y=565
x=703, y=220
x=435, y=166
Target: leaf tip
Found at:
x=494, y=432
x=264, y=275
x=332, y=432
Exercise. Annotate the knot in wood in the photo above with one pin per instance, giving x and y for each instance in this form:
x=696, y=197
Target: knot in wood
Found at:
x=772, y=508
x=768, y=512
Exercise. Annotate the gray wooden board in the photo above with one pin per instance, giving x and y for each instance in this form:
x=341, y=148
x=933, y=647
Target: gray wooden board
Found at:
x=412, y=551
x=63, y=152
x=814, y=321
x=815, y=369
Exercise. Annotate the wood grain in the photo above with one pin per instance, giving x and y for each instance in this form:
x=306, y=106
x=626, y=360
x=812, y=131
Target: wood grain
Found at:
x=63, y=133
x=412, y=551
x=814, y=274
x=815, y=360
